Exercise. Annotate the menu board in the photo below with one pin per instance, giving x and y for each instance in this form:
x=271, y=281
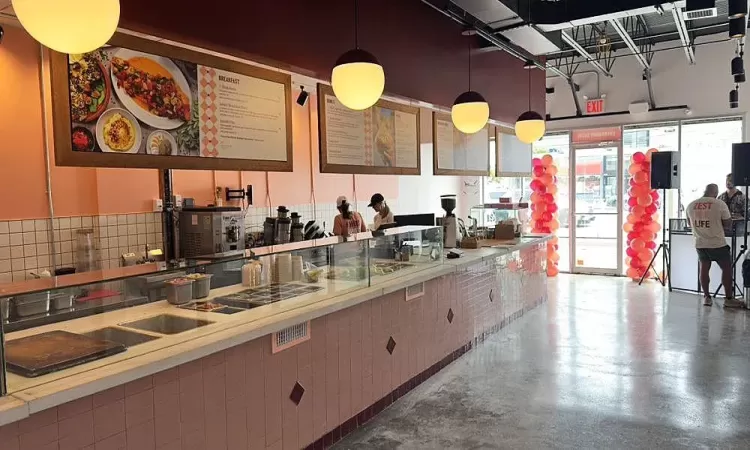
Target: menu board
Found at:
x=458, y=153
x=128, y=105
x=512, y=157
x=383, y=139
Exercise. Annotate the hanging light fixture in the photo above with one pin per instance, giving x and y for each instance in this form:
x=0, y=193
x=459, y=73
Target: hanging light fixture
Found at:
x=738, y=67
x=470, y=111
x=737, y=27
x=530, y=125
x=737, y=8
x=69, y=26
x=357, y=78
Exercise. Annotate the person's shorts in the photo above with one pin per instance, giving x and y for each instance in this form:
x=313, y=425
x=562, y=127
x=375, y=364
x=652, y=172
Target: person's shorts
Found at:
x=720, y=254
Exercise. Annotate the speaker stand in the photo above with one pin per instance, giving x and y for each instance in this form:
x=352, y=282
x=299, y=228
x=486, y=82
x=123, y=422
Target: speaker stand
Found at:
x=666, y=280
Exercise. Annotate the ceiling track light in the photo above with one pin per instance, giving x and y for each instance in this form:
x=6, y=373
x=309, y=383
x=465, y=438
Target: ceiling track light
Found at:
x=470, y=111
x=69, y=26
x=737, y=8
x=737, y=27
x=734, y=97
x=358, y=79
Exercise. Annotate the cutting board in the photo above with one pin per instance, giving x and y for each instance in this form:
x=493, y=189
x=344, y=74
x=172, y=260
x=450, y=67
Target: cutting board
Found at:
x=43, y=353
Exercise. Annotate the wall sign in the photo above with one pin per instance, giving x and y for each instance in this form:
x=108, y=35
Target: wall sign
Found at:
x=594, y=106
x=457, y=153
x=129, y=105
x=383, y=139
x=596, y=135
x=512, y=157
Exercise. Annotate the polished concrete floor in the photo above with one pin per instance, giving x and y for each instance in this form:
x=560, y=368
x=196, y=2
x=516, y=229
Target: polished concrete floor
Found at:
x=605, y=364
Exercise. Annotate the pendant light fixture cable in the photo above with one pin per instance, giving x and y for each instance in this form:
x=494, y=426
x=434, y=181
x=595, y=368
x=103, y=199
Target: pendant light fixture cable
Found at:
x=356, y=17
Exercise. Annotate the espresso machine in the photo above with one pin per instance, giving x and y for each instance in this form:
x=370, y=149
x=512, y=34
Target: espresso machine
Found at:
x=450, y=227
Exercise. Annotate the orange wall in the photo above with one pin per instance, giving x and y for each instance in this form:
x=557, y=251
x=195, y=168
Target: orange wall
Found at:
x=89, y=191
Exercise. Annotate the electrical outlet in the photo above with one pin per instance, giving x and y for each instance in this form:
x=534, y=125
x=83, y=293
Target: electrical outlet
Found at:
x=178, y=201
x=158, y=205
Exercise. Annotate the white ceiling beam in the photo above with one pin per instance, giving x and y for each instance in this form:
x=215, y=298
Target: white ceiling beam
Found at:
x=679, y=21
x=617, y=25
x=586, y=55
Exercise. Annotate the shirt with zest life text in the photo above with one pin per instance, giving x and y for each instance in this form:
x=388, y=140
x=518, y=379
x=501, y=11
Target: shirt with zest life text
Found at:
x=706, y=215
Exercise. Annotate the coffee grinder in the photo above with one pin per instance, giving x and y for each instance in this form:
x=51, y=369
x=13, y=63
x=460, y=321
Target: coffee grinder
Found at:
x=448, y=203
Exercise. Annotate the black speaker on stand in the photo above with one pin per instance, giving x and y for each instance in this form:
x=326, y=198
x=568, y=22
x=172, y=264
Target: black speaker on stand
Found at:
x=665, y=174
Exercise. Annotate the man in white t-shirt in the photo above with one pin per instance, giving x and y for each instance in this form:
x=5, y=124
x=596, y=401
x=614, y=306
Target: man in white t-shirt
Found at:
x=708, y=217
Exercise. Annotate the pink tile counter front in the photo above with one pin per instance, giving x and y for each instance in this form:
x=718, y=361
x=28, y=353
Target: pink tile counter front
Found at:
x=357, y=361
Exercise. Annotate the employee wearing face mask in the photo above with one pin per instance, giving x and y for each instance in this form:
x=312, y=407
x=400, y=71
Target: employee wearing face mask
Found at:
x=383, y=213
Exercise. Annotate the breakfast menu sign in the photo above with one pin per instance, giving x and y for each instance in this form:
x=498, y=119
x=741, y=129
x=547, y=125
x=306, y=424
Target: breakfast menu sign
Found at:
x=128, y=106
x=383, y=139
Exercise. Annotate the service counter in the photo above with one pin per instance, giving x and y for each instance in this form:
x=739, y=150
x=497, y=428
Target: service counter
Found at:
x=287, y=363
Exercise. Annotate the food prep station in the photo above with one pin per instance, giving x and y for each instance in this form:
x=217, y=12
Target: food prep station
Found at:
x=49, y=331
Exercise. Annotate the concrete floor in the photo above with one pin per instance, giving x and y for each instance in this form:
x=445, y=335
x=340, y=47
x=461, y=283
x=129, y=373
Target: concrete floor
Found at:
x=605, y=364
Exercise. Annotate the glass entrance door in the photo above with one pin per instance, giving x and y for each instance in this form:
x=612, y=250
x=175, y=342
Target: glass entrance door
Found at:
x=596, y=217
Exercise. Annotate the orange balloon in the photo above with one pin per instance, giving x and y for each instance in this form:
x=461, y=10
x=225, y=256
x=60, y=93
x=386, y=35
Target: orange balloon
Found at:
x=554, y=257
x=552, y=270
x=640, y=177
x=654, y=227
x=554, y=225
x=627, y=261
x=540, y=207
x=645, y=255
x=633, y=274
x=650, y=152
x=634, y=169
x=552, y=170
x=639, y=211
x=627, y=227
x=645, y=200
x=537, y=215
x=632, y=218
x=552, y=189
x=553, y=241
x=547, y=179
x=638, y=245
x=547, y=160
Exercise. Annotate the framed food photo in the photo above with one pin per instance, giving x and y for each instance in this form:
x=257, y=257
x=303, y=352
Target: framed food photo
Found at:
x=129, y=105
x=382, y=139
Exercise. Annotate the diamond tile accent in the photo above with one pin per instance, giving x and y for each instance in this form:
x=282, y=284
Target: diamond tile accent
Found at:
x=391, y=345
x=450, y=315
x=297, y=392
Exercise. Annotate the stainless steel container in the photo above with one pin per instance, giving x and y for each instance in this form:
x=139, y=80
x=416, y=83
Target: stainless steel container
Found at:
x=32, y=304
x=61, y=301
x=179, y=291
x=4, y=309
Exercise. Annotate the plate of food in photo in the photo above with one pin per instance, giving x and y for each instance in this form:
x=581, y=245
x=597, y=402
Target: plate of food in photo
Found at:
x=90, y=88
x=161, y=143
x=117, y=131
x=82, y=139
x=152, y=88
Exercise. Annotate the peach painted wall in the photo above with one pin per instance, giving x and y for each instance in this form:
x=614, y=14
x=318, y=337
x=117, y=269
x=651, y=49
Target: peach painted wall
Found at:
x=89, y=191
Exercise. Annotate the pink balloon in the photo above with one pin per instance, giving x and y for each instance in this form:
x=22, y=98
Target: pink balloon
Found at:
x=639, y=157
x=538, y=171
x=536, y=162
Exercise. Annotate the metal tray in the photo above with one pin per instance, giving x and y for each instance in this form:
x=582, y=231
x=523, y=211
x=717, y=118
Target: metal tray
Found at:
x=44, y=353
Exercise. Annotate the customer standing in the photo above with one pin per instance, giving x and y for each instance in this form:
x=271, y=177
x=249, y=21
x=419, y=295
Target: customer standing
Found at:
x=708, y=217
x=383, y=214
x=348, y=222
x=734, y=199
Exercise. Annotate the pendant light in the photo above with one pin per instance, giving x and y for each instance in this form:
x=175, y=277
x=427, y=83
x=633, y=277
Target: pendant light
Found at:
x=69, y=26
x=357, y=78
x=470, y=111
x=530, y=125
x=734, y=97
x=737, y=28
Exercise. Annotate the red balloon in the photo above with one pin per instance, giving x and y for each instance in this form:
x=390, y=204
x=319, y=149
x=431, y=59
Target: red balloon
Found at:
x=536, y=162
x=638, y=227
x=639, y=157
x=549, y=198
x=538, y=171
x=632, y=182
x=630, y=252
x=640, y=177
x=632, y=201
x=651, y=210
x=651, y=245
x=546, y=216
x=633, y=235
x=655, y=195
x=552, y=207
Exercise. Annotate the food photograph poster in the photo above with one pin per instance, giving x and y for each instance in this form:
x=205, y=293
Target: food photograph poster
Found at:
x=381, y=139
x=458, y=153
x=128, y=102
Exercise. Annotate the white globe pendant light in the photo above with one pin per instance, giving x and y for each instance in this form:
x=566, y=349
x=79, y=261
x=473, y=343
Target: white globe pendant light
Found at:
x=530, y=126
x=470, y=111
x=69, y=26
x=357, y=79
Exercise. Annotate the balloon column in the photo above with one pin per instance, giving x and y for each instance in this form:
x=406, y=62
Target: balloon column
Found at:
x=544, y=206
x=642, y=223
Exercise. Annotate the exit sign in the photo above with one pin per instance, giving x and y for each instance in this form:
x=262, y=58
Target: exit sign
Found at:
x=595, y=106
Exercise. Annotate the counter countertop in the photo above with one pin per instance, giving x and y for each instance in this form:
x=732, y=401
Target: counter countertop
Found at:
x=30, y=395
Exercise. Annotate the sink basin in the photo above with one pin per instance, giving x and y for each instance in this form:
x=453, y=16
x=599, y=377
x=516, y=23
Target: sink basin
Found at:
x=166, y=324
x=120, y=336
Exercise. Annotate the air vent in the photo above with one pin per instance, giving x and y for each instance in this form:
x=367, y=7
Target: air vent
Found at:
x=290, y=336
x=700, y=14
x=414, y=291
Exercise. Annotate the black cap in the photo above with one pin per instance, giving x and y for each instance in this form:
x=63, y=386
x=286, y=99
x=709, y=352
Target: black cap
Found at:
x=376, y=198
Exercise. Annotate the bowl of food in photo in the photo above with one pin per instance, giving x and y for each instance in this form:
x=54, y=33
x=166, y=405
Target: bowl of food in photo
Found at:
x=117, y=131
